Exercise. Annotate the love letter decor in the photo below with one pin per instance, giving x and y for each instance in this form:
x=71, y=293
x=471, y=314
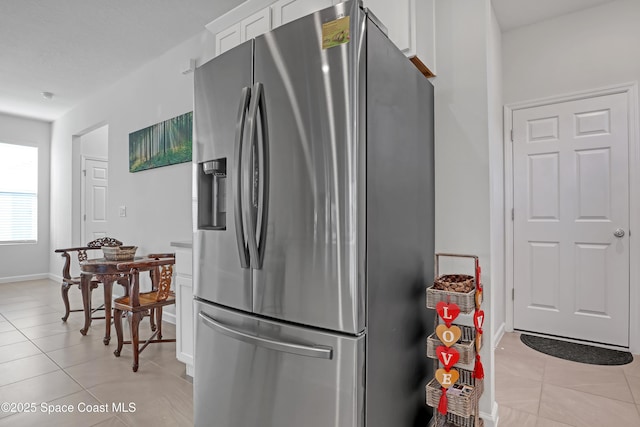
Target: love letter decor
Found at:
x=447, y=356
x=448, y=336
x=447, y=312
x=446, y=378
x=478, y=286
x=478, y=320
x=478, y=298
x=478, y=342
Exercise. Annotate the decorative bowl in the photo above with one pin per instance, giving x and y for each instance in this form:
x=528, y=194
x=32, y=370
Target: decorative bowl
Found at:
x=119, y=253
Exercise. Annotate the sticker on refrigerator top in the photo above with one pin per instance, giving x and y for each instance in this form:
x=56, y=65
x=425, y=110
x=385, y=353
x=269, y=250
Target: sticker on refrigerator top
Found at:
x=335, y=32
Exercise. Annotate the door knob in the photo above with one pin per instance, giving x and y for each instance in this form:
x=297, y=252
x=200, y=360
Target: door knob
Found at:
x=619, y=232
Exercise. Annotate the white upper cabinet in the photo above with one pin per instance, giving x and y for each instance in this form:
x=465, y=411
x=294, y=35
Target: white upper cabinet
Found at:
x=289, y=10
x=425, y=18
x=256, y=24
x=397, y=16
x=228, y=38
x=410, y=25
x=248, y=28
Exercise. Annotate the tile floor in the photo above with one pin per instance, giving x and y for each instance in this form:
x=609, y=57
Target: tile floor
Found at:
x=43, y=360
x=536, y=390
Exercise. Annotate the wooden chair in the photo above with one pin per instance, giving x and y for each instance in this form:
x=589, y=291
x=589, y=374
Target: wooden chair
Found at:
x=137, y=303
x=68, y=281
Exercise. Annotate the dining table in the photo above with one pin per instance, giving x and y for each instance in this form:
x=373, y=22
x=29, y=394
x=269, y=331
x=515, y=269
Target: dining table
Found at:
x=106, y=272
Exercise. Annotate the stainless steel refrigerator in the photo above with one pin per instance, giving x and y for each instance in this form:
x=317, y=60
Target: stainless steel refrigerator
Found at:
x=314, y=229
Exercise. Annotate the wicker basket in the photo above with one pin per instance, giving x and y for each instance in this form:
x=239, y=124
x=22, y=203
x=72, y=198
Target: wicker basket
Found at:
x=119, y=253
x=462, y=283
x=466, y=302
x=452, y=420
x=465, y=346
x=463, y=406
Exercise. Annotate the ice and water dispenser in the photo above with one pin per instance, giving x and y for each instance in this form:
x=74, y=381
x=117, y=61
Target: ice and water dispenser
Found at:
x=212, y=209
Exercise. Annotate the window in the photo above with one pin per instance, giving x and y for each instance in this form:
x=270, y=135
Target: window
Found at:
x=18, y=194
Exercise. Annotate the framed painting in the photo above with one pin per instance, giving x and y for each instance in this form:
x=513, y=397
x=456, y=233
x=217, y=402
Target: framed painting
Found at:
x=165, y=143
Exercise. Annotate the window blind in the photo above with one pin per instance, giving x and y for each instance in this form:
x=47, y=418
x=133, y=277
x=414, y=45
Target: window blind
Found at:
x=18, y=219
x=18, y=193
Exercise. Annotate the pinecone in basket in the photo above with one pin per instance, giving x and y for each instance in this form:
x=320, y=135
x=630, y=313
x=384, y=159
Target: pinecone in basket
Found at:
x=455, y=283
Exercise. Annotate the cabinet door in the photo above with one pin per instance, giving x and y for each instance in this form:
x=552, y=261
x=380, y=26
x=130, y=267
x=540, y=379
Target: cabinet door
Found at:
x=184, y=314
x=289, y=10
x=256, y=24
x=397, y=16
x=425, y=47
x=227, y=39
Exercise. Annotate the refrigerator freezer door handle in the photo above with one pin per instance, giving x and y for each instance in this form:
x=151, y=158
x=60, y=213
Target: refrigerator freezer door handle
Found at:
x=256, y=222
x=263, y=199
x=286, y=347
x=242, y=114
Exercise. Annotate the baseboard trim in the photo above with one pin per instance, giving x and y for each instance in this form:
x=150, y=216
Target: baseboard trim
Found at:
x=168, y=317
x=491, y=420
x=24, y=278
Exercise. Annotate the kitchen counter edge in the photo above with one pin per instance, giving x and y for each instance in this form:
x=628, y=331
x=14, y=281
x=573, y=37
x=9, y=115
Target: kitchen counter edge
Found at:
x=182, y=244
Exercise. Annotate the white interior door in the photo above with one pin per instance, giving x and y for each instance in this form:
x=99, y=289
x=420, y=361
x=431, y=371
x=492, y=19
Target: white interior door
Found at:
x=94, y=215
x=571, y=208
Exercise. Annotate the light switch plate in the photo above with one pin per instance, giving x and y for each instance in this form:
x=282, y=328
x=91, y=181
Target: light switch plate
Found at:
x=123, y=211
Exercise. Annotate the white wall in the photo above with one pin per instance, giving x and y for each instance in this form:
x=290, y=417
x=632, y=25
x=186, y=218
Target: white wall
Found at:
x=585, y=50
x=29, y=261
x=465, y=98
x=496, y=169
x=159, y=200
x=95, y=143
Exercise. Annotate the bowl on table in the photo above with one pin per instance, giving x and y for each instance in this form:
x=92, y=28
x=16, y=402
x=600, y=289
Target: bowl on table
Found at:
x=119, y=253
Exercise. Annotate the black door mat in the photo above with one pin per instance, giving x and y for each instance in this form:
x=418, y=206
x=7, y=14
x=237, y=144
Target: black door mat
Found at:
x=577, y=352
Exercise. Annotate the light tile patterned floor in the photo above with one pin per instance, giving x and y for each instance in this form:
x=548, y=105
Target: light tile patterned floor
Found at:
x=536, y=390
x=44, y=360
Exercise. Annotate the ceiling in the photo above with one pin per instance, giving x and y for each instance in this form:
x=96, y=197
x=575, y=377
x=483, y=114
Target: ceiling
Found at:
x=74, y=48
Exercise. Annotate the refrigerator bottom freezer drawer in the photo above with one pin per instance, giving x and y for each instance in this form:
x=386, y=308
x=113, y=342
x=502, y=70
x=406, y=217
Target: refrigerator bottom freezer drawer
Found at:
x=254, y=372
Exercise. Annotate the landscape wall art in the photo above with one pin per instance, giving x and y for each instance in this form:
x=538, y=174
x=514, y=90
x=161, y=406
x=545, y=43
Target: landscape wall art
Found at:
x=165, y=143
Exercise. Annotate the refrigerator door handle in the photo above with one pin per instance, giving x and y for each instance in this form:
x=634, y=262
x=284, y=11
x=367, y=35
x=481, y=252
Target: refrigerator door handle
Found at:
x=257, y=218
x=282, y=346
x=263, y=156
x=237, y=182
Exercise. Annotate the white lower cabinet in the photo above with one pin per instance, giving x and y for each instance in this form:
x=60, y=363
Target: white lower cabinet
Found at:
x=184, y=309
